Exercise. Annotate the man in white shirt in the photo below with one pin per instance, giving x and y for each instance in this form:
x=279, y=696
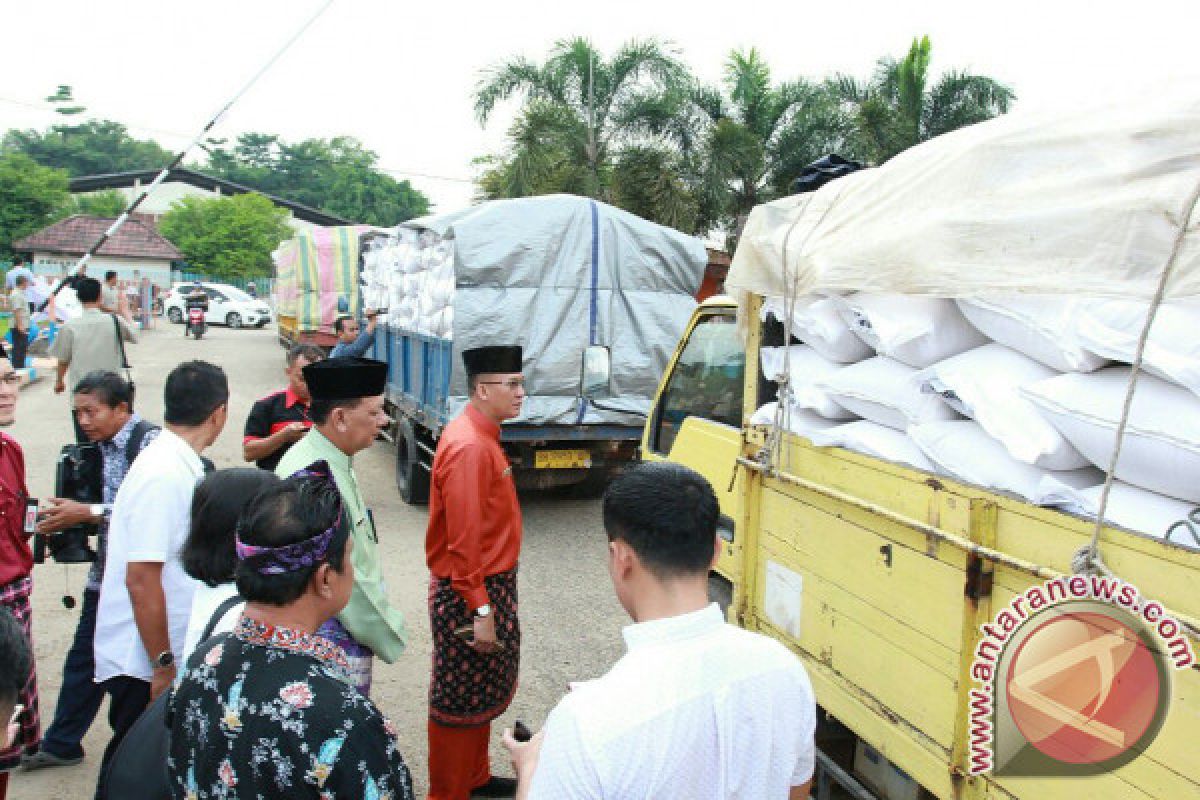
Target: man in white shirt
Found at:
x=146, y=597
x=697, y=708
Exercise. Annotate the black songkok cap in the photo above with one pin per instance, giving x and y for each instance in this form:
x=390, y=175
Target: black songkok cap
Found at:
x=492, y=359
x=345, y=378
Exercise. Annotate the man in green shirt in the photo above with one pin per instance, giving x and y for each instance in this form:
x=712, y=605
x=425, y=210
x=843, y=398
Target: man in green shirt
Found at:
x=18, y=304
x=347, y=414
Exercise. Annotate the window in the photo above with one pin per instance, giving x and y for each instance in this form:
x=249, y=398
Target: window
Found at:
x=706, y=382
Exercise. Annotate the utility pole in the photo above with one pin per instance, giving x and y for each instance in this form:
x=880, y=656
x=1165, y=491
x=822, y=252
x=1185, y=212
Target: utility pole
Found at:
x=593, y=154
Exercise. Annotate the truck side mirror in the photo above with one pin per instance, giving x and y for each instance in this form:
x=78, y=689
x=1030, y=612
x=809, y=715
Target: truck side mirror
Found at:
x=596, y=371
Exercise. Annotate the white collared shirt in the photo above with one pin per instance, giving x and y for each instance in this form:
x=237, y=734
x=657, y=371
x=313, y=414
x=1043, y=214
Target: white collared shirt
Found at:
x=150, y=519
x=696, y=709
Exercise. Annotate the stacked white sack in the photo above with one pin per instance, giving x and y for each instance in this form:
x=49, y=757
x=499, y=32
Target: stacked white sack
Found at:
x=418, y=268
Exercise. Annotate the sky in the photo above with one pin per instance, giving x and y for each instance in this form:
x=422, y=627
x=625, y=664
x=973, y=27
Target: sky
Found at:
x=399, y=76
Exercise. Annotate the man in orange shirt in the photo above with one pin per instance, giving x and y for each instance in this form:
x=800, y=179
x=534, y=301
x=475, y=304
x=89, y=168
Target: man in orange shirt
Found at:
x=471, y=546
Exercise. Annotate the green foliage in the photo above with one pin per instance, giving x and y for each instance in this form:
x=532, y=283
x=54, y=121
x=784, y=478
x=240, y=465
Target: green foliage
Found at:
x=95, y=147
x=108, y=203
x=898, y=108
x=589, y=125
x=336, y=175
x=31, y=197
x=226, y=237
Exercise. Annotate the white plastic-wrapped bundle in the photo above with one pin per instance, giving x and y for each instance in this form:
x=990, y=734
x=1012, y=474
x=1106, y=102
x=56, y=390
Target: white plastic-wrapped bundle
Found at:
x=805, y=367
x=885, y=391
x=817, y=322
x=1145, y=512
x=1043, y=327
x=1111, y=328
x=878, y=441
x=800, y=421
x=984, y=384
x=918, y=331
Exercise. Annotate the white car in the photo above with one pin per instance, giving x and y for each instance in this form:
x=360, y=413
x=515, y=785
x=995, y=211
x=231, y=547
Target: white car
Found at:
x=227, y=305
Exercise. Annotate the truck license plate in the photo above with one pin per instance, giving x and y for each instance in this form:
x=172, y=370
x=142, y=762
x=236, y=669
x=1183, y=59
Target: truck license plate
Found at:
x=562, y=459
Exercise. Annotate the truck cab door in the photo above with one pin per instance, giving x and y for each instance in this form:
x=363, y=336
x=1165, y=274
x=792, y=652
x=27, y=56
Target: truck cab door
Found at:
x=697, y=422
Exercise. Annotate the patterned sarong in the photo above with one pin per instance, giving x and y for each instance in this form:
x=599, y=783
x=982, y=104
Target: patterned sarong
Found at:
x=359, y=657
x=469, y=688
x=15, y=597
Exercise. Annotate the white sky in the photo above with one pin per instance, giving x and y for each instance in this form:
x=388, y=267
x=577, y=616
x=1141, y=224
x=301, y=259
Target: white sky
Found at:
x=399, y=75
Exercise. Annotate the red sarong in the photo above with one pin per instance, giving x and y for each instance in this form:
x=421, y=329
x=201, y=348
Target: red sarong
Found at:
x=15, y=597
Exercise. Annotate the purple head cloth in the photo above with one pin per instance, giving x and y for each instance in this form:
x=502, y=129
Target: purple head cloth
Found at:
x=298, y=555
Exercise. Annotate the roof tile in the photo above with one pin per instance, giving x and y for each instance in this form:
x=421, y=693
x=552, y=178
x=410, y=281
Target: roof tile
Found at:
x=75, y=235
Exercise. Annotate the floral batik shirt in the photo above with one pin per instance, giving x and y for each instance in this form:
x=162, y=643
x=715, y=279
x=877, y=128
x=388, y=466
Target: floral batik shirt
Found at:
x=268, y=712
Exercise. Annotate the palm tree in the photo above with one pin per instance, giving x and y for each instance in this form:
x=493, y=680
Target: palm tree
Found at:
x=758, y=137
x=897, y=108
x=593, y=126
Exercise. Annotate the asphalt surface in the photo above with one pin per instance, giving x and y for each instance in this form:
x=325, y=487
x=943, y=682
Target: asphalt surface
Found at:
x=570, y=619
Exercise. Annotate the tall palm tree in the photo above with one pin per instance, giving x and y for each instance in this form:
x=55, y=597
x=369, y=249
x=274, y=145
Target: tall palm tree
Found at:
x=898, y=108
x=757, y=136
x=593, y=126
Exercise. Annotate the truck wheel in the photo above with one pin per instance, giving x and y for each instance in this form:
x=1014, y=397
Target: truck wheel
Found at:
x=412, y=478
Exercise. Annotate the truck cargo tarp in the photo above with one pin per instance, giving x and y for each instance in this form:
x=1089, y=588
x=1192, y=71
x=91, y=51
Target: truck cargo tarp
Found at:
x=558, y=273
x=1087, y=202
x=312, y=270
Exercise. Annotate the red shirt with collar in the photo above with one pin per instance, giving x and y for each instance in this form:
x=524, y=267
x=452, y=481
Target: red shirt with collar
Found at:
x=16, y=559
x=271, y=414
x=474, y=518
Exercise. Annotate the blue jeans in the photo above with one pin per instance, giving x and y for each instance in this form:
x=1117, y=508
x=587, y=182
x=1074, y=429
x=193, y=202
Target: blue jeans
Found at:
x=80, y=697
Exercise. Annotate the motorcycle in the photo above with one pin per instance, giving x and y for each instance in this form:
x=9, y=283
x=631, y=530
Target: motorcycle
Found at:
x=195, y=322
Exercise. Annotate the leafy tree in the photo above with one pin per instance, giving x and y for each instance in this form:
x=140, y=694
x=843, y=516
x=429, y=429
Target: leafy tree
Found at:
x=108, y=203
x=31, y=197
x=898, y=107
x=95, y=147
x=227, y=237
x=594, y=126
x=756, y=137
x=337, y=175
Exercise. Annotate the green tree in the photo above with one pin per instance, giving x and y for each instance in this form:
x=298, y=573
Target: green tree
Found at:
x=31, y=197
x=95, y=147
x=898, y=107
x=227, y=237
x=107, y=203
x=338, y=175
x=594, y=126
x=756, y=137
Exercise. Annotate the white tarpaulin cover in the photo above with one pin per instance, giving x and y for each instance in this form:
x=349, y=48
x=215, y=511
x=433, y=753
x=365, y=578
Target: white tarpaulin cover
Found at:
x=1082, y=203
x=555, y=274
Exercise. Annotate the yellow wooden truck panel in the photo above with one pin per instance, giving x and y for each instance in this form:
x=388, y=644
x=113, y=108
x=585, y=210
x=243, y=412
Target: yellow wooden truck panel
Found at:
x=885, y=626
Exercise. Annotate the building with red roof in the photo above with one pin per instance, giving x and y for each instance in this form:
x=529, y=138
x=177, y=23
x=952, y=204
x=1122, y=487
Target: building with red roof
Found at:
x=136, y=251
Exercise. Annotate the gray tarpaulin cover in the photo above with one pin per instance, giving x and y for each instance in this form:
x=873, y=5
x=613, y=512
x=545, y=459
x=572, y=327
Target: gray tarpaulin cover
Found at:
x=555, y=274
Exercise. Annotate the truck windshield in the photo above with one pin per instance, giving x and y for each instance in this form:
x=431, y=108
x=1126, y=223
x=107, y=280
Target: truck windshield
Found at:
x=706, y=381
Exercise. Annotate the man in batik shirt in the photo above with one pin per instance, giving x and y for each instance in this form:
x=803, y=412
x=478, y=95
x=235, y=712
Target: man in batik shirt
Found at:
x=471, y=546
x=268, y=710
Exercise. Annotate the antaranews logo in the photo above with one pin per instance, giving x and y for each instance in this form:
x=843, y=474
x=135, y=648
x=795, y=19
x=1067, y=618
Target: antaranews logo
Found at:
x=1073, y=678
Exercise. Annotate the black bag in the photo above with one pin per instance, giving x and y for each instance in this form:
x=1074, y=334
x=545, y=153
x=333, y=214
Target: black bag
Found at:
x=139, y=767
x=124, y=358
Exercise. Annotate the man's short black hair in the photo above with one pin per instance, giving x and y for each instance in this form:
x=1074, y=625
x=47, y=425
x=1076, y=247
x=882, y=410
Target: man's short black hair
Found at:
x=320, y=409
x=88, y=290
x=108, y=387
x=221, y=498
x=308, y=351
x=339, y=324
x=21, y=280
x=15, y=659
x=296, y=509
x=18, y=261
x=195, y=389
x=108, y=276
x=668, y=514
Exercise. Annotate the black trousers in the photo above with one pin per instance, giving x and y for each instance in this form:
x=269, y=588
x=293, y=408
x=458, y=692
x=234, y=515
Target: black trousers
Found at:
x=80, y=696
x=20, y=341
x=128, y=699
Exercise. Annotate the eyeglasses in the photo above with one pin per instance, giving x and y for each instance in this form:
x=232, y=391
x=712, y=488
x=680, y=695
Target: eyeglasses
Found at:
x=512, y=383
x=11, y=379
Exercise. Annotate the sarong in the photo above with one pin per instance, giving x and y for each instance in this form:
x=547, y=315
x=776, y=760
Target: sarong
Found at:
x=359, y=657
x=469, y=688
x=15, y=597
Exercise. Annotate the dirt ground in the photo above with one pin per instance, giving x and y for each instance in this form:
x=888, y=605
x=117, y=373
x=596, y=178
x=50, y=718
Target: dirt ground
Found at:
x=570, y=619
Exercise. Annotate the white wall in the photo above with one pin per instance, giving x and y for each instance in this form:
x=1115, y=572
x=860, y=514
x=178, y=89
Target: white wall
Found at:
x=128, y=269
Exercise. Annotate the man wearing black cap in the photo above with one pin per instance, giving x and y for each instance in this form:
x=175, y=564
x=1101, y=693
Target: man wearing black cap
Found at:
x=347, y=414
x=471, y=546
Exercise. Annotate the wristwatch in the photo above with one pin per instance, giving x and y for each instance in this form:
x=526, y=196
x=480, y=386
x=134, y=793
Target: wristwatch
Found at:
x=96, y=509
x=484, y=610
x=165, y=659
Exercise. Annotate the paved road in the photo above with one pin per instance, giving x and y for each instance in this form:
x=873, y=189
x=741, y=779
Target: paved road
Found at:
x=570, y=618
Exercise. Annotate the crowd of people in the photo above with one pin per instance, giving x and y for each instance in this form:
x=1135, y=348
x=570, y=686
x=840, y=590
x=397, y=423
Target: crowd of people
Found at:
x=249, y=604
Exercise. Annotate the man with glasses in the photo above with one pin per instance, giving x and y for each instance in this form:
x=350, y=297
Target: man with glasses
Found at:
x=16, y=566
x=351, y=342
x=472, y=545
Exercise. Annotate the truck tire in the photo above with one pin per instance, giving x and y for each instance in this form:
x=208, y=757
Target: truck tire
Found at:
x=412, y=478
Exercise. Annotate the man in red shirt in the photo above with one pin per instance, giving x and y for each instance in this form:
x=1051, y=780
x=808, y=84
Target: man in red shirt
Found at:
x=16, y=564
x=471, y=546
x=279, y=420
